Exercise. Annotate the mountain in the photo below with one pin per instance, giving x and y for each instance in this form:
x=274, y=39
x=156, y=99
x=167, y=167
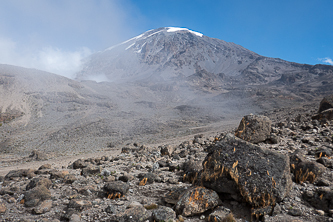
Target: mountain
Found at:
x=179, y=53
x=167, y=53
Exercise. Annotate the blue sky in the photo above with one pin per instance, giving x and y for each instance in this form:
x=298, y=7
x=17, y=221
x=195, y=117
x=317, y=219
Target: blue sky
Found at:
x=54, y=35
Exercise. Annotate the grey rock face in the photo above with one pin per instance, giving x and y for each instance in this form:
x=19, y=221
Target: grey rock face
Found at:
x=260, y=176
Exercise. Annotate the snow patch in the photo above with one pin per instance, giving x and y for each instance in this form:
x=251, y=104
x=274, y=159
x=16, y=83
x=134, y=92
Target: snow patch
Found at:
x=130, y=46
x=139, y=51
x=176, y=29
x=136, y=37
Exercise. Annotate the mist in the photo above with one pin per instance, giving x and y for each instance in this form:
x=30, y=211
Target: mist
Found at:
x=55, y=36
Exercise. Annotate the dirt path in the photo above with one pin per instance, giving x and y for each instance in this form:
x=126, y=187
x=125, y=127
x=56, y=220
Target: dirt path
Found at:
x=57, y=162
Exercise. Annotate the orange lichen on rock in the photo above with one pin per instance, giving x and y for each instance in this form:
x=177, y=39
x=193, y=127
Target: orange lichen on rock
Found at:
x=143, y=181
x=306, y=176
x=273, y=182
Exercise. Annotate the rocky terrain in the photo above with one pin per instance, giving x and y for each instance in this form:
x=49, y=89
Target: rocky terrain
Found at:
x=274, y=167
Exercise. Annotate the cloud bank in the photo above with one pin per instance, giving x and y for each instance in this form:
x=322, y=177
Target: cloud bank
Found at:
x=56, y=35
x=50, y=59
x=327, y=60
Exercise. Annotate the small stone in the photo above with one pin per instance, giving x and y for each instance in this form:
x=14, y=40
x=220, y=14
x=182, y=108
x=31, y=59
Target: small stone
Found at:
x=44, y=207
x=196, y=200
x=320, y=212
x=75, y=218
x=45, y=167
x=3, y=207
x=295, y=212
x=163, y=213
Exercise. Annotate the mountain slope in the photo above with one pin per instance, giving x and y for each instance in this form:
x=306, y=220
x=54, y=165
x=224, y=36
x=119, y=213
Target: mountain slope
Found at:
x=166, y=53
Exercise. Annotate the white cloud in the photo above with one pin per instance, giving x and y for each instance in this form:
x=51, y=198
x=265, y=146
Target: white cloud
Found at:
x=55, y=35
x=51, y=59
x=61, y=62
x=326, y=60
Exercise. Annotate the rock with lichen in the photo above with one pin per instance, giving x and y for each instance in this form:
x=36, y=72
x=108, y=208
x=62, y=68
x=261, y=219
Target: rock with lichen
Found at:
x=260, y=176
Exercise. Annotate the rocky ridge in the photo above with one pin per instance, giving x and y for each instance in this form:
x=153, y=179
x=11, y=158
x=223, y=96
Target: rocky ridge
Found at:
x=183, y=182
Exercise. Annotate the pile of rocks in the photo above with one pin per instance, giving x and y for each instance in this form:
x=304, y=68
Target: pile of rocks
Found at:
x=266, y=170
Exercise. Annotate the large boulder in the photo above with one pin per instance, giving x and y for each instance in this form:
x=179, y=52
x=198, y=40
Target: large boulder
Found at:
x=254, y=129
x=259, y=176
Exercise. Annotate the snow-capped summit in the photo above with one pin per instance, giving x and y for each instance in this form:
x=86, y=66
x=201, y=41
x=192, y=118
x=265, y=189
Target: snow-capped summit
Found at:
x=152, y=32
x=165, y=53
x=176, y=29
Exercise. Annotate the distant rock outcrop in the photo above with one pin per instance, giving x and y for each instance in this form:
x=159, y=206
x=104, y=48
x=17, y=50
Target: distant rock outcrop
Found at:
x=254, y=129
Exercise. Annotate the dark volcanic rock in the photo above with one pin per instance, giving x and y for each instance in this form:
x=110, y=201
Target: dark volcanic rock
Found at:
x=196, y=200
x=327, y=162
x=260, y=176
x=308, y=171
x=79, y=164
x=326, y=103
x=38, y=181
x=192, y=169
x=34, y=196
x=163, y=213
x=173, y=195
x=90, y=170
x=219, y=214
x=116, y=188
x=79, y=205
x=20, y=173
x=254, y=129
x=326, y=114
x=322, y=198
x=136, y=213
